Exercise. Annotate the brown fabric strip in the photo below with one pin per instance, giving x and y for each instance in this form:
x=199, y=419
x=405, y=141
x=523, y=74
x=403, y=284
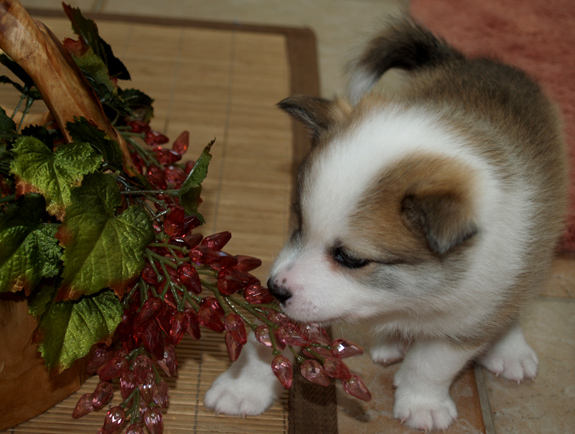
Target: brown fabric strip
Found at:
x=312, y=408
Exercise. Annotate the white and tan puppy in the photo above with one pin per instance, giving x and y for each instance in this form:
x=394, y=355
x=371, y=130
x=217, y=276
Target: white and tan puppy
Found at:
x=430, y=210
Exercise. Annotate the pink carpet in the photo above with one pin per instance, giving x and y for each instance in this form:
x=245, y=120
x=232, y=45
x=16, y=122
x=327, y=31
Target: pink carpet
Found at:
x=535, y=35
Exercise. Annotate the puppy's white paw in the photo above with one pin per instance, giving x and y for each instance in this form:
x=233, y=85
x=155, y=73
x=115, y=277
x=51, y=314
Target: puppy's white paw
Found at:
x=425, y=413
x=511, y=358
x=388, y=352
x=513, y=365
x=240, y=396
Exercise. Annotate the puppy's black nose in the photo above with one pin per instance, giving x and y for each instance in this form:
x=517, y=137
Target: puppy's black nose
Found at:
x=279, y=292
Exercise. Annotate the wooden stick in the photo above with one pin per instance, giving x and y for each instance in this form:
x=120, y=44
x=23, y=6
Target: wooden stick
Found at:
x=62, y=85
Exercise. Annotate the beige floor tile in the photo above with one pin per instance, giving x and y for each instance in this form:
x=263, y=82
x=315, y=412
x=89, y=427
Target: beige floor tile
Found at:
x=547, y=404
x=561, y=282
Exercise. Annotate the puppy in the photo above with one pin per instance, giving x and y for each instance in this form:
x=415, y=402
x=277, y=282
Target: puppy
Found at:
x=429, y=208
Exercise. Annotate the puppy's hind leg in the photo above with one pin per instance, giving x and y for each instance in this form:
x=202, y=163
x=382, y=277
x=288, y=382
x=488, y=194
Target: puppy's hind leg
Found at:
x=422, y=398
x=511, y=357
x=249, y=387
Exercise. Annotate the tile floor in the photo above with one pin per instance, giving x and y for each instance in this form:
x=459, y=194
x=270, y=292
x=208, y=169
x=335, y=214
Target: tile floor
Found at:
x=544, y=406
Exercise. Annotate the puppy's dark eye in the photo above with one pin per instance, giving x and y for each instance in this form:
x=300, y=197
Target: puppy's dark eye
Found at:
x=347, y=260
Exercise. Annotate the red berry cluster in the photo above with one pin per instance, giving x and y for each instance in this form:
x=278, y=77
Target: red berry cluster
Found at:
x=189, y=282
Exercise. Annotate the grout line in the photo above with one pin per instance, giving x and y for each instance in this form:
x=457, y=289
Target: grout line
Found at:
x=484, y=400
x=226, y=129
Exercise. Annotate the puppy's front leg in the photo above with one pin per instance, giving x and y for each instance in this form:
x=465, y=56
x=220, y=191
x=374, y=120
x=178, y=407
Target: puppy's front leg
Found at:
x=422, y=398
x=249, y=386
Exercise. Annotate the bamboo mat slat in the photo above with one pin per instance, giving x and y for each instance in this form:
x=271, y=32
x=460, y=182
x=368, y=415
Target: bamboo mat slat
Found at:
x=216, y=81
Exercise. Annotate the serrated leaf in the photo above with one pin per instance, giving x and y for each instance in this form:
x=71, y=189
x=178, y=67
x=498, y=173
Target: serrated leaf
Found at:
x=96, y=72
x=138, y=103
x=101, y=249
x=6, y=80
x=88, y=31
x=68, y=329
x=192, y=187
x=42, y=133
x=81, y=130
x=7, y=126
x=41, y=300
x=29, y=250
x=53, y=174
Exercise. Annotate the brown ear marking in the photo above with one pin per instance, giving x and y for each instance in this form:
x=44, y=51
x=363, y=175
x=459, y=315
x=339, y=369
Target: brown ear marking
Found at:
x=318, y=114
x=443, y=218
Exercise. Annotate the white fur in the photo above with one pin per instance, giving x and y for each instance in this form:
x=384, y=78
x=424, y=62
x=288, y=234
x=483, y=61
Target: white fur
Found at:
x=360, y=83
x=422, y=397
x=511, y=357
x=337, y=182
x=249, y=387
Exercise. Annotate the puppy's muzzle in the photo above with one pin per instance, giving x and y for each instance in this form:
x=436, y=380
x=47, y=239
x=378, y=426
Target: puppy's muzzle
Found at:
x=279, y=292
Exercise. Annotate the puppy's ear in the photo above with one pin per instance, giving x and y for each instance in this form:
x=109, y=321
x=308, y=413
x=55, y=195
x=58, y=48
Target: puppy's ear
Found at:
x=444, y=218
x=318, y=114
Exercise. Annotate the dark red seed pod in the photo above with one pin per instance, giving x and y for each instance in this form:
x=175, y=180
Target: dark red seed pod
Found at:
x=166, y=156
x=211, y=314
x=247, y=263
x=156, y=177
x=190, y=278
x=154, y=138
x=257, y=294
x=180, y=145
x=178, y=327
x=235, y=326
x=174, y=222
x=83, y=406
x=217, y=241
x=153, y=340
x=150, y=310
x=282, y=368
x=139, y=127
x=169, y=363
x=335, y=368
x=174, y=176
x=194, y=325
x=102, y=395
x=113, y=368
x=229, y=283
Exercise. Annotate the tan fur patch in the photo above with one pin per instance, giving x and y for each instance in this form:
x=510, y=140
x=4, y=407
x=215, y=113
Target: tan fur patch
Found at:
x=443, y=186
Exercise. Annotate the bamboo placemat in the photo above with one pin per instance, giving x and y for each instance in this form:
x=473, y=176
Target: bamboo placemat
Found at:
x=222, y=81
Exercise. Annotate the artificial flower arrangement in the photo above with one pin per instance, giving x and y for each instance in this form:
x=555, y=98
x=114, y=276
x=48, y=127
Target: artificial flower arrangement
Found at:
x=97, y=219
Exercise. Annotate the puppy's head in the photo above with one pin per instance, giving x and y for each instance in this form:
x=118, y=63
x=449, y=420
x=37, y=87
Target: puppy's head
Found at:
x=383, y=219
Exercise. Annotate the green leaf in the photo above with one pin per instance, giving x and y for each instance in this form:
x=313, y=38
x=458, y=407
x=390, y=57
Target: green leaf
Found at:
x=7, y=126
x=96, y=72
x=69, y=329
x=138, y=104
x=192, y=187
x=82, y=130
x=29, y=250
x=87, y=30
x=43, y=134
x=101, y=249
x=53, y=174
x=6, y=80
x=41, y=300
